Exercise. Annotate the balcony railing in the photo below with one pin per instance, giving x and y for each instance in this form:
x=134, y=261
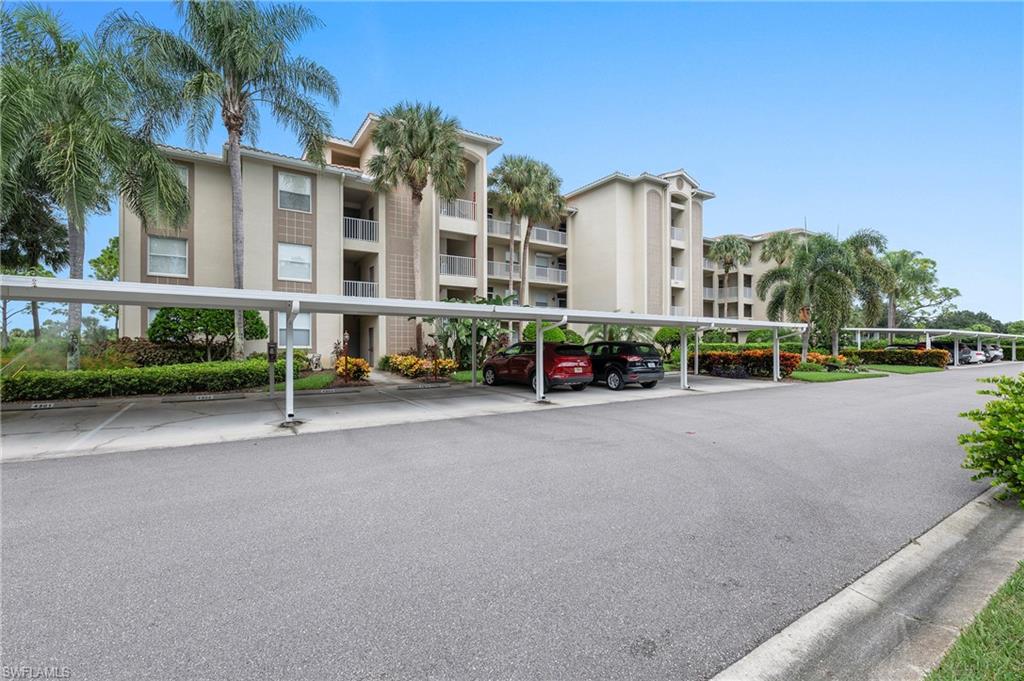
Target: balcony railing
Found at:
x=748, y=292
x=710, y=264
x=364, y=230
x=678, y=311
x=500, y=269
x=459, y=208
x=678, y=234
x=500, y=227
x=458, y=265
x=359, y=289
x=678, y=274
x=709, y=292
x=728, y=292
x=549, y=274
x=549, y=236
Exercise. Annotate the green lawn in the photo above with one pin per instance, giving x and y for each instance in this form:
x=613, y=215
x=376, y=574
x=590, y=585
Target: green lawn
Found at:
x=316, y=381
x=466, y=376
x=901, y=368
x=829, y=376
x=992, y=647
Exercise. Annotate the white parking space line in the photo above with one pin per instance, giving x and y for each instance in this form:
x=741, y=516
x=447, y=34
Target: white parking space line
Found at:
x=85, y=438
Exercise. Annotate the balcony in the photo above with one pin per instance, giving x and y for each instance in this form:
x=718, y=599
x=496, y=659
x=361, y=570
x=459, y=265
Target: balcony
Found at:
x=728, y=292
x=363, y=230
x=359, y=289
x=459, y=208
x=710, y=264
x=458, y=266
x=551, y=275
x=677, y=311
x=678, y=274
x=500, y=227
x=709, y=292
x=499, y=270
x=548, y=236
x=678, y=234
x=748, y=292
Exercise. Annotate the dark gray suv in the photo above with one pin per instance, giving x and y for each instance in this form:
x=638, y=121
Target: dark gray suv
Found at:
x=617, y=363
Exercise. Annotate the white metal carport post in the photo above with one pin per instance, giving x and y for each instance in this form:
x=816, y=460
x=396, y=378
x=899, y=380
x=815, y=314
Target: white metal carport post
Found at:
x=776, y=370
x=289, y=357
x=956, y=351
x=684, y=350
x=927, y=341
x=472, y=361
x=1013, y=350
x=857, y=333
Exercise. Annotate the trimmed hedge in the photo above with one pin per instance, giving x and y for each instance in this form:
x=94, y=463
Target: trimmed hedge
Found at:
x=918, y=358
x=157, y=380
x=746, y=363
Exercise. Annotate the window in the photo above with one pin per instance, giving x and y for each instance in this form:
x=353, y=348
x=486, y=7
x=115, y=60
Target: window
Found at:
x=302, y=335
x=182, y=174
x=150, y=316
x=294, y=262
x=168, y=257
x=295, y=192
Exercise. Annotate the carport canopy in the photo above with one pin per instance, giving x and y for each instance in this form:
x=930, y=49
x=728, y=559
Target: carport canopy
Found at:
x=929, y=334
x=43, y=289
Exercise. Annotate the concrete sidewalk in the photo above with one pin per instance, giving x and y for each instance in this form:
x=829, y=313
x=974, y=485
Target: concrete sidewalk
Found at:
x=148, y=422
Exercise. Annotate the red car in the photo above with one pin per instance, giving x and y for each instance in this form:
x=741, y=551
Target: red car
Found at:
x=563, y=365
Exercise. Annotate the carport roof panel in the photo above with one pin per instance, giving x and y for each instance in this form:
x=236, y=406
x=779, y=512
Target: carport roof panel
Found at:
x=171, y=295
x=962, y=333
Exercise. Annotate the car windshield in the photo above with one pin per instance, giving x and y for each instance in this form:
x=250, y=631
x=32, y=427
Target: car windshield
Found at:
x=570, y=350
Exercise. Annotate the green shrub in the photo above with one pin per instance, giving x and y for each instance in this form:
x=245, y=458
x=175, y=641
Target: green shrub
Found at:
x=182, y=325
x=576, y=339
x=756, y=362
x=555, y=335
x=384, y=363
x=810, y=366
x=760, y=336
x=921, y=358
x=158, y=380
x=996, y=449
x=715, y=336
x=146, y=353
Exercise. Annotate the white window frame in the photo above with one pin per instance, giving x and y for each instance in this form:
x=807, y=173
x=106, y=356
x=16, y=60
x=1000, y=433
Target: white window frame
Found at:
x=282, y=323
x=149, y=256
x=307, y=178
x=306, y=246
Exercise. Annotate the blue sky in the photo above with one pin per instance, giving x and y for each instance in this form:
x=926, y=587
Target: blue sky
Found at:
x=902, y=117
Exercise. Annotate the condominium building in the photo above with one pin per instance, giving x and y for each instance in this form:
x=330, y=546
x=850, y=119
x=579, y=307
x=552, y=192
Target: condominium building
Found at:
x=627, y=243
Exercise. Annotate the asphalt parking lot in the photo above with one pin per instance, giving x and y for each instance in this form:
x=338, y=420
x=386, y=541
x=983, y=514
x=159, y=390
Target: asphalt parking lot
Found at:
x=654, y=538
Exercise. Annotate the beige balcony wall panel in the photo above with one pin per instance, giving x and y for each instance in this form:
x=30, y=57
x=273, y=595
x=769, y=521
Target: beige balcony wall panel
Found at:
x=398, y=270
x=655, y=252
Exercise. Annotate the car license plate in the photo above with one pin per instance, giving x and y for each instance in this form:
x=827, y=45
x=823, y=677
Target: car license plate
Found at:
x=578, y=370
x=652, y=365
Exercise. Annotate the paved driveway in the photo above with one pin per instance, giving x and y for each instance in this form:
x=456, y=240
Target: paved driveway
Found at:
x=661, y=538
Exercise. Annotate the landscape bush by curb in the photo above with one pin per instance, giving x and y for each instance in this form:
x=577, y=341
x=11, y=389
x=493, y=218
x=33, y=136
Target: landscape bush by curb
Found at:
x=155, y=380
x=412, y=366
x=922, y=358
x=996, y=449
x=741, y=364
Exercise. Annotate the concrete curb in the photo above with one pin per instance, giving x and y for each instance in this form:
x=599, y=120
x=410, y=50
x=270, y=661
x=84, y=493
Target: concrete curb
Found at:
x=42, y=405
x=897, y=621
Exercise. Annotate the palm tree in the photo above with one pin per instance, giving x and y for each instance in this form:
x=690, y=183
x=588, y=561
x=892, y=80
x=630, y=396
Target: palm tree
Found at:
x=730, y=251
x=233, y=57
x=873, y=275
x=544, y=204
x=778, y=247
x=620, y=332
x=910, y=274
x=509, y=185
x=416, y=145
x=817, y=286
x=88, y=137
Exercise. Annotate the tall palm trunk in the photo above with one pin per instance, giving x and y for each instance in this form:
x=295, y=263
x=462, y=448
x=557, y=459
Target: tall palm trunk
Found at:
x=835, y=342
x=524, y=249
x=237, y=231
x=892, y=315
x=76, y=253
x=417, y=267
x=513, y=225
x=37, y=333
